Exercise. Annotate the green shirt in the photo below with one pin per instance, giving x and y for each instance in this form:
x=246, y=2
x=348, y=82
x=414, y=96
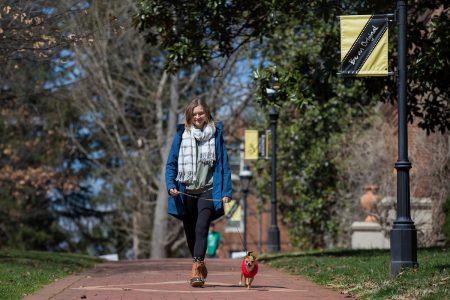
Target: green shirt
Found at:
x=214, y=239
x=204, y=176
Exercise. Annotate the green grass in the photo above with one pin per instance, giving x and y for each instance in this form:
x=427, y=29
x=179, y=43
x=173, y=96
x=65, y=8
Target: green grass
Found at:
x=364, y=274
x=24, y=272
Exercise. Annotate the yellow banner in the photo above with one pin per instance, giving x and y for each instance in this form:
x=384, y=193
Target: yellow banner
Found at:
x=364, y=45
x=251, y=144
x=234, y=215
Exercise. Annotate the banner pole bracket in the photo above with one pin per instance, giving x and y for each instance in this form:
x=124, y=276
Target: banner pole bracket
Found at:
x=391, y=17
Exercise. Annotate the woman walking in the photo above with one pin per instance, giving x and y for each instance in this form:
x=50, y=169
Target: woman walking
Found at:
x=198, y=180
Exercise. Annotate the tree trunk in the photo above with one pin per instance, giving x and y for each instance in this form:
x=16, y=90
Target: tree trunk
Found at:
x=135, y=235
x=160, y=230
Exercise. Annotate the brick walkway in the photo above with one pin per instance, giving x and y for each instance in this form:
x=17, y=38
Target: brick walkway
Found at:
x=168, y=279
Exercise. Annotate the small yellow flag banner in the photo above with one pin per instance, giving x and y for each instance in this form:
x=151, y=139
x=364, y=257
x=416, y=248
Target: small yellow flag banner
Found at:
x=251, y=144
x=364, y=45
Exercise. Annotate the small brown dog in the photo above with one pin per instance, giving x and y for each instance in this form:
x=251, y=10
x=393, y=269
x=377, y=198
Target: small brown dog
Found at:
x=249, y=268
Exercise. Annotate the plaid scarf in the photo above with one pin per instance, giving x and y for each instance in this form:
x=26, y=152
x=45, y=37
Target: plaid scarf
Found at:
x=187, y=156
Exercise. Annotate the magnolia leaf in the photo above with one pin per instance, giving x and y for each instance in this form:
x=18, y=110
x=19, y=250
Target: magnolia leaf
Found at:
x=37, y=45
x=7, y=9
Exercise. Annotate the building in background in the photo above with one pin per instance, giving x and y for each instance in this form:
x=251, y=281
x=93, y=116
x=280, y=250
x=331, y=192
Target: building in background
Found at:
x=258, y=216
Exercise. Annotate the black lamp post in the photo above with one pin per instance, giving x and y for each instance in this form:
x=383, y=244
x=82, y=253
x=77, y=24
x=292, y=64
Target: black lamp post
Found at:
x=403, y=233
x=273, y=240
x=246, y=176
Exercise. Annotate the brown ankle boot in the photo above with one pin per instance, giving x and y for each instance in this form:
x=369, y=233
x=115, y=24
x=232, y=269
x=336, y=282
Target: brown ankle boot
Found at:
x=202, y=269
x=196, y=277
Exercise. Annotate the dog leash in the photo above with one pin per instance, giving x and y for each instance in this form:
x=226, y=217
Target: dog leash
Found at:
x=228, y=203
x=199, y=198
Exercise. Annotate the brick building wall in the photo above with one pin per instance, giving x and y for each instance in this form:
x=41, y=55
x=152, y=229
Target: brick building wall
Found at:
x=430, y=159
x=420, y=154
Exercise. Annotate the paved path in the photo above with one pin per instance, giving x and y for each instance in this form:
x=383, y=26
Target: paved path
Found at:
x=168, y=279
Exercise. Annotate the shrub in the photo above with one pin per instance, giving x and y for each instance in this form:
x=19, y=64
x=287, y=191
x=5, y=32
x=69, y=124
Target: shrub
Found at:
x=446, y=225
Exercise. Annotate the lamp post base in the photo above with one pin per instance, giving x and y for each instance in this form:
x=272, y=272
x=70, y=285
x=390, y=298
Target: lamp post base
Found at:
x=273, y=240
x=403, y=248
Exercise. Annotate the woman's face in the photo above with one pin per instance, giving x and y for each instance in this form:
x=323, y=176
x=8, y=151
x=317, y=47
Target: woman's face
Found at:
x=198, y=117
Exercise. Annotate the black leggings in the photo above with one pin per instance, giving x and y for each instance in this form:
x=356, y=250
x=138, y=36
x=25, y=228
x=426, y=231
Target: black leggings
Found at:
x=196, y=221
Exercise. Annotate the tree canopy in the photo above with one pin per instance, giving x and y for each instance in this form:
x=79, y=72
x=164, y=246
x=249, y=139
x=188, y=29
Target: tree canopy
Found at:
x=193, y=32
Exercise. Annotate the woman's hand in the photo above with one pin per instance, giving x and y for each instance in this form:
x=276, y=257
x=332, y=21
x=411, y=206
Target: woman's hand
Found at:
x=174, y=192
x=226, y=199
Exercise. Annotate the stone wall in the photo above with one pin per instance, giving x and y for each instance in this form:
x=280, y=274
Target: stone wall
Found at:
x=421, y=214
x=375, y=235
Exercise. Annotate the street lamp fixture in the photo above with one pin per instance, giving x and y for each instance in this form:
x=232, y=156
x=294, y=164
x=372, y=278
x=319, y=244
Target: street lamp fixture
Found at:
x=403, y=233
x=246, y=176
x=273, y=239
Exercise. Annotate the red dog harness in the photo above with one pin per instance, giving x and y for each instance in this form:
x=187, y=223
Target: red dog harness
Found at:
x=246, y=273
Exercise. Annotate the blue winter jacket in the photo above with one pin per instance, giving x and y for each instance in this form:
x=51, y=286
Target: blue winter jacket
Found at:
x=221, y=175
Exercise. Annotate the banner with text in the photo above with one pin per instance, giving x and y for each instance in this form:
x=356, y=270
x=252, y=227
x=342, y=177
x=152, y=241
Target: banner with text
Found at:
x=364, y=45
x=256, y=145
x=251, y=144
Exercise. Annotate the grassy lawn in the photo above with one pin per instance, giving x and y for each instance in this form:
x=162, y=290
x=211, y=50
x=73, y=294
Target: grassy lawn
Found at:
x=364, y=274
x=24, y=272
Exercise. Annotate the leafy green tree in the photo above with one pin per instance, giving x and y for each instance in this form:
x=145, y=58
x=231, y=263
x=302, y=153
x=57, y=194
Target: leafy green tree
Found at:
x=30, y=149
x=195, y=32
x=33, y=116
x=316, y=107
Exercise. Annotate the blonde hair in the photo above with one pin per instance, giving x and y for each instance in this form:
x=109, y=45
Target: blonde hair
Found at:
x=189, y=110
